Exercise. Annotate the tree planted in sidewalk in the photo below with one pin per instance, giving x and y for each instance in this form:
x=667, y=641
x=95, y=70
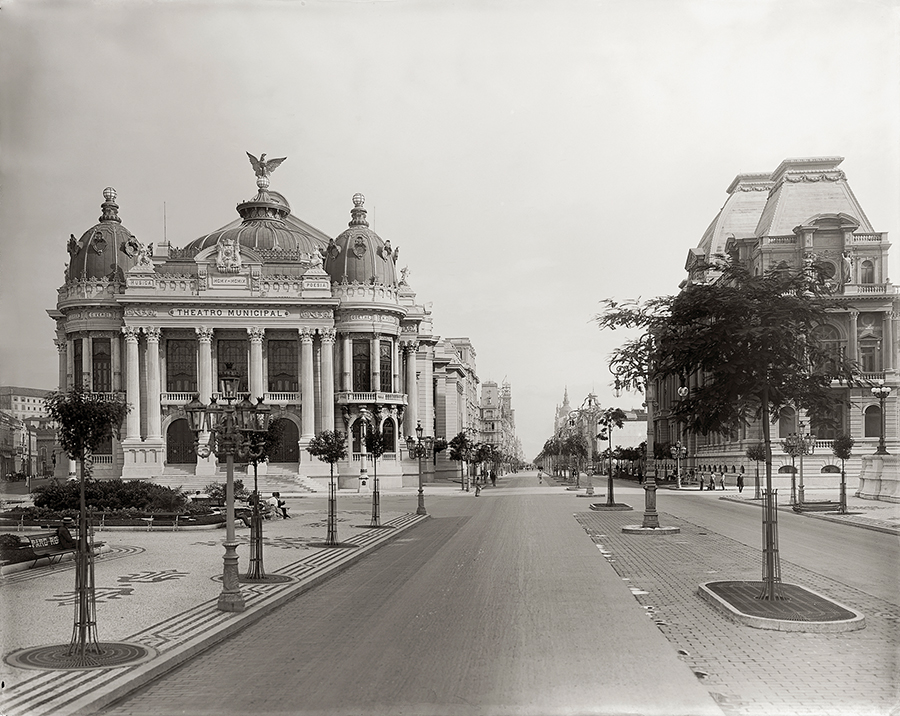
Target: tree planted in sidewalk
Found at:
x=460, y=449
x=84, y=420
x=330, y=446
x=375, y=446
x=750, y=339
x=842, y=447
x=610, y=418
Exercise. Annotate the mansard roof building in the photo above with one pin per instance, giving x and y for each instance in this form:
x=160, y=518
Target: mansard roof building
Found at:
x=804, y=210
x=325, y=329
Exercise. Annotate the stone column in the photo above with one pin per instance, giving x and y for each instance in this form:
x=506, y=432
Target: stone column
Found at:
x=307, y=398
x=132, y=384
x=347, y=362
x=62, y=347
x=153, y=386
x=87, y=362
x=854, y=330
x=395, y=366
x=257, y=384
x=328, y=337
x=116, y=357
x=375, y=362
x=888, y=349
x=204, y=355
x=70, y=363
x=412, y=391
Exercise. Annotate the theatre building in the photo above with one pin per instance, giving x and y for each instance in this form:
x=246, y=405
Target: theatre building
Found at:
x=320, y=327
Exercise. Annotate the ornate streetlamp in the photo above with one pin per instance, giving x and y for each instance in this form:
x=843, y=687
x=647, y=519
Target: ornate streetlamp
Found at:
x=798, y=445
x=679, y=452
x=881, y=391
x=420, y=447
x=230, y=428
x=256, y=451
x=470, y=434
x=363, y=458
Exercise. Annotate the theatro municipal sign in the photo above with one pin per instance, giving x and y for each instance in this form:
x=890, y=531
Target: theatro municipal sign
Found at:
x=229, y=313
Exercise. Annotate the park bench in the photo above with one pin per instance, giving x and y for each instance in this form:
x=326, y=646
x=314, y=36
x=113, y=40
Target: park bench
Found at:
x=170, y=518
x=52, y=544
x=819, y=506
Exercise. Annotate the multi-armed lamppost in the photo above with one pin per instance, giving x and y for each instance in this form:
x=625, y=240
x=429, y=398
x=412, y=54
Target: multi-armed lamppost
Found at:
x=230, y=428
x=798, y=445
x=881, y=391
x=420, y=447
x=679, y=452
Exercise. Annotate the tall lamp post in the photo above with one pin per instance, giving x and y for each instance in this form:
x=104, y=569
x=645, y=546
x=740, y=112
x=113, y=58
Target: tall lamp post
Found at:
x=798, y=445
x=682, y=450
x=363, y=458
x=679, y=452
x=230, y=427
x=256, y=450
x=419, y=447
x=881, y=391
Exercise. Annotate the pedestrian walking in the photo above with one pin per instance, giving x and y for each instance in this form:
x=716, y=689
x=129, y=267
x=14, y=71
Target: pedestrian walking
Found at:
x=702, y=481
x=721, y=480
x=712, y=480
x=740, y=482
x=493, y=479
x=540, y=476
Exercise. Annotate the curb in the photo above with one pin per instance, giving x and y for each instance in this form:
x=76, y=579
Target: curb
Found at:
x=820, y=516
x=67, y=693
x=830, y=627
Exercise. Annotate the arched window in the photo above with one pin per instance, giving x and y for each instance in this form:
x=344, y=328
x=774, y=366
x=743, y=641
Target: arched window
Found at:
x=787, y=469
x=867, y=272
x=786, y=422
x=828, y=426
x=389, y=432
x=828, y=341
x=873, y=422
x=830, y=468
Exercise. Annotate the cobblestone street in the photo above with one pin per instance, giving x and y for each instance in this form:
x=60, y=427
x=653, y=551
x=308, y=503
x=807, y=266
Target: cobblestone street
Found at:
x=753, y=672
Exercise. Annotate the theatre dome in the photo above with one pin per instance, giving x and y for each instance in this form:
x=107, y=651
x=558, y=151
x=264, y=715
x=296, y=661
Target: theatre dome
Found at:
x=359, y=254
x=106, y=250
x=266, y=224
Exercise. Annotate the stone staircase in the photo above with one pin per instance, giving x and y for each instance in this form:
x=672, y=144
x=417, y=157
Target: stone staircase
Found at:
x=277, y=478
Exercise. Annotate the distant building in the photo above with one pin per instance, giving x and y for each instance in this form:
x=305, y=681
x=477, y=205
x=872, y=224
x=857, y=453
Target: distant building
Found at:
x=23, y=402
x=804, y=210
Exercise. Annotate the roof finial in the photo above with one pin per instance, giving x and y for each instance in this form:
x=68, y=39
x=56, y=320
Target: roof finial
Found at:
x=109, y=207
x=358, y=212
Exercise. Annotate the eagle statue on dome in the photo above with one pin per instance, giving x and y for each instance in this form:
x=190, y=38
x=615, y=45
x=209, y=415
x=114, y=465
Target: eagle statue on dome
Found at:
x=262, y=166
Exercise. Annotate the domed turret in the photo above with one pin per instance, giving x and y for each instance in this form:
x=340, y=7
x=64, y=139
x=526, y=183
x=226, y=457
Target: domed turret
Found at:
x=266, y=223
x=107, y=250
x=359, y=254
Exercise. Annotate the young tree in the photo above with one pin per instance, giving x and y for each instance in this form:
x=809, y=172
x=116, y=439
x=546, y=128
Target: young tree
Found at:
x=757, y=453
x=842, y=447
x=330, y=446
x=751, y=340
x=461, y=449
x=83, y=421
x=262, y=447
x=609, y=419
x=375, y=446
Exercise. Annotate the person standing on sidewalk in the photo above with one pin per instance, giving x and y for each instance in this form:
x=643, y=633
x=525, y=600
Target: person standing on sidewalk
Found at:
x=740, y=482
x=702, y=480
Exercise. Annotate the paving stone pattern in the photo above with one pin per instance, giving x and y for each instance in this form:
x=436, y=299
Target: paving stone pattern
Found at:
x=754, y=672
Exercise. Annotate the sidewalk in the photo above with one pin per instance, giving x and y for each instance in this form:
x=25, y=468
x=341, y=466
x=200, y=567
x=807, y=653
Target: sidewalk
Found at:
x=753, y=672
x=159, y=589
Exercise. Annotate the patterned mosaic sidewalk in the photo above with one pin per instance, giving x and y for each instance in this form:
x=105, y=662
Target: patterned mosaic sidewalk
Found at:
x=180, y=636
x=753, y=672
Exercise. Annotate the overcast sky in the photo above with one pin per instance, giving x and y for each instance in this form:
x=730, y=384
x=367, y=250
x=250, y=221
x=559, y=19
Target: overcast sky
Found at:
x=528, y=158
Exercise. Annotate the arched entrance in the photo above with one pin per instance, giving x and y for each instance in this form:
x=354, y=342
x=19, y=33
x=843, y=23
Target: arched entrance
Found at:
x=180, y=444
x=287, y=450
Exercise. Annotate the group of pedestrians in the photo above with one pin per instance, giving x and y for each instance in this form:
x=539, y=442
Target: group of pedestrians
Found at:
x=718, y=479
